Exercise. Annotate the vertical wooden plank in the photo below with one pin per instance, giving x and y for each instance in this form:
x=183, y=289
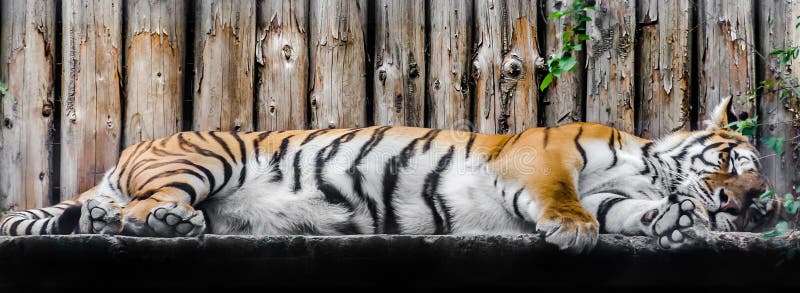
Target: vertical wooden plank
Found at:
x=399, y=77
x=90, y=115
x=224, y=54
x=26, y=51
x=154, y=55
x=777, y=31
x=610, y=55
x=282, y=64
x=504, y=67
x=338, y=85
x=562, y=99
x=663, y=64
x=448, y=66
x=726, y=59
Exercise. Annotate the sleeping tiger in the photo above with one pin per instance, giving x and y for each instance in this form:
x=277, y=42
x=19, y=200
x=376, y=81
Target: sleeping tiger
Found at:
x=569, y=183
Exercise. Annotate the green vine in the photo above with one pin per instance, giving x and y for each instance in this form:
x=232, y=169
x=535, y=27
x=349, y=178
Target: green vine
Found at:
x=573, y=36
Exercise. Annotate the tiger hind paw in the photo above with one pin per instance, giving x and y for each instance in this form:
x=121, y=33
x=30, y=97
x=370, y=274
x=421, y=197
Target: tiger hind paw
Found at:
x=175, y=219
x=100, y=215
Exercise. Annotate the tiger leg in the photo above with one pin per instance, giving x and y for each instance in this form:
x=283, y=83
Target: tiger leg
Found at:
x=166, y=213
x=674, y=222
x=562, y=219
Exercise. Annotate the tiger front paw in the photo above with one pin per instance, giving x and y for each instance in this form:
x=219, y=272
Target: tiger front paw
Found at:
x=574, y=231
x=677, y=224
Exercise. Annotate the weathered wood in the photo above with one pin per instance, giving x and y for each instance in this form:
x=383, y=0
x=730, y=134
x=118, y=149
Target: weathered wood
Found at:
x=154, y=55
x=610, y=55
x=338, y=59
x=282, y=64
x=223, y=64
x=726, y=59
x=399, y=77
x=91, y=102
x=663, y=64
x=450, y=49
x=563, y=98
x=26, y=132
x=504, y=67
x=777, y=31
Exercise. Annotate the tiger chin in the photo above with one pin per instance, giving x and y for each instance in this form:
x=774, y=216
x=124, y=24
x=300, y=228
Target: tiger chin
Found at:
x=569, y=183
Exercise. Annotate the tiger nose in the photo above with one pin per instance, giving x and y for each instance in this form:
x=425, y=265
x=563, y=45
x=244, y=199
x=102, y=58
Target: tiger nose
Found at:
x=727, y=202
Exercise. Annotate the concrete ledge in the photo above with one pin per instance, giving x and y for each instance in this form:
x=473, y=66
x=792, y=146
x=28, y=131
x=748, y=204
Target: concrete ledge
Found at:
x=727, y=259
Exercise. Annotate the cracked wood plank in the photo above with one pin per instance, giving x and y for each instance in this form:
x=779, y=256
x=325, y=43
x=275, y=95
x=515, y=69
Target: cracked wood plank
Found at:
x=338, y=63
x=504, y=66
x=663, y=63
x=26, y=131
x=399, y=77
x=726, y=58
x=224, y=49
x=563, y=98
x=610, y=56
x=91, y=92
x=777, y=31
x=282, y=64
x=154, y=57
x=448, y=68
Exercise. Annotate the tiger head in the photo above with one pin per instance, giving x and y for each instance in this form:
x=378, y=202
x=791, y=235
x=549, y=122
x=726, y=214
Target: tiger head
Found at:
x=719, y=167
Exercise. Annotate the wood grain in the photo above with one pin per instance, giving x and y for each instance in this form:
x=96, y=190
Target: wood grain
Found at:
x=448, y=71
x=27, y=31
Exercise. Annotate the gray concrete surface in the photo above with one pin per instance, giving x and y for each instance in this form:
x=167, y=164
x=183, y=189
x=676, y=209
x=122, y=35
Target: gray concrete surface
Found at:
x=210, y=261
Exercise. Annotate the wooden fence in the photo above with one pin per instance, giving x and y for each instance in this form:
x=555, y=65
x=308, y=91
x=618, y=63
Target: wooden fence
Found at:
x=88, y=77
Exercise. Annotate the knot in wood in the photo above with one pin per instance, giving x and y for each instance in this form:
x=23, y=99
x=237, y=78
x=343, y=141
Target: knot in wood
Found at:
x=436, y=84
x=314, y=101
x=7, y=123
x=513, y=67
x=41, y=176
x=331, y=124
x=287, y=51
x=47, y=109
x=382, y=75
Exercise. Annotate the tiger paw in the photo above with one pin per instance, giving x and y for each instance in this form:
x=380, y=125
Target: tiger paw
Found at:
x=575, y=231
x=172, y=219
x=678, y=224
x=100, y=215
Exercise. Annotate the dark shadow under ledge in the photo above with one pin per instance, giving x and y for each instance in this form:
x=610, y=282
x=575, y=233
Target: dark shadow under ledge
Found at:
x=726, y=259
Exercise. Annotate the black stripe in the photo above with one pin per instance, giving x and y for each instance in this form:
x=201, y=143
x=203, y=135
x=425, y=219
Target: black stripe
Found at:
x=227, y=169
x=332, y=194
x=646, y=149
x=224, y=146
x=243, y=154
x=209, y=175
x=391, y=169
x=429, y=137
x=580, y=148
x=516, y=203
x=185, y=187
x=430, y=192
x=619, y=138
x=470, y=142
x=602, y=211
x=43, y=230
x=497, y=153
x=133, y=157
x=29, y=229
x=358, y=177
x=68, y=221
x=46, y=213
x=13, y=229
x=131, y=174
x=706, y=149
x=172, y=173
x=161, y=152
x=612, y=148
x=311, y=136
x=277, y=157
x=296, y=165
x=257, y=142
x=546, y=136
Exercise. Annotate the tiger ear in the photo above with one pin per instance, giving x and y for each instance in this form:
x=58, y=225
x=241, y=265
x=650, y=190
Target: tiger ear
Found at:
x=722, y=115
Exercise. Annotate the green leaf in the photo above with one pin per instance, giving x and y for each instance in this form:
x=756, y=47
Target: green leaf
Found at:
x=774, y=142
x=583, y=37
x=568, y=63
x=780, y=228
x=771, y=234
x=797, y=189
x=787, y=199
x=792, y=208
x=546, y=81
x=766, y=195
